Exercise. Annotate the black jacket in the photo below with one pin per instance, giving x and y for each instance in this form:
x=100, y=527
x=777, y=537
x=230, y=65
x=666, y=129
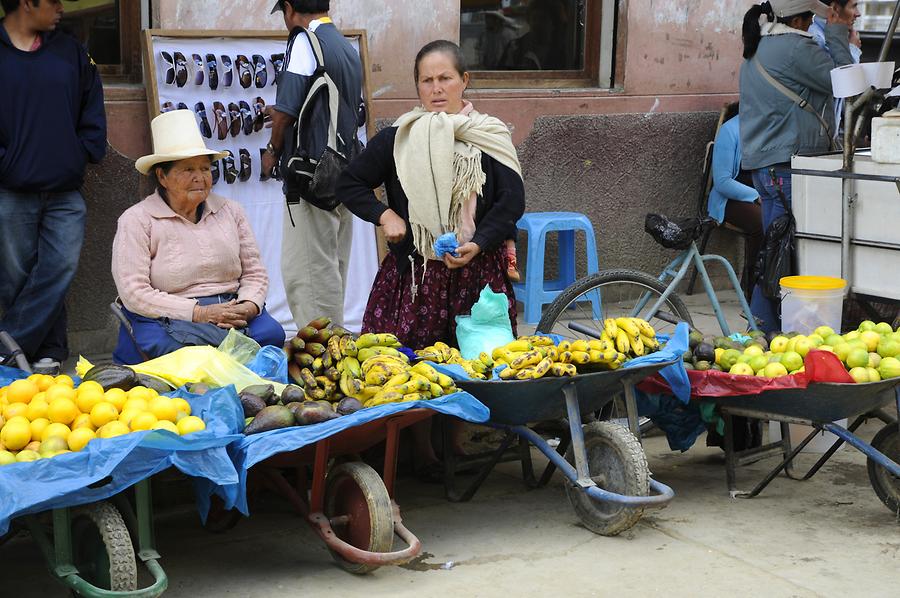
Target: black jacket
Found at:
x=499, y=207
x=52, y=121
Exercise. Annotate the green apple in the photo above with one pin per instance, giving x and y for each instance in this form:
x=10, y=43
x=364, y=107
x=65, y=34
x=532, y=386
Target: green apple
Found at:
x=7, y=457
x=791, y=360
x=842, y=351
x=874, y=360
x=744, y=358
x=889, y=368
x=741, y=369
x=775, y=357
x=857, y=358
x=870, y=338
x=753, y=350
x=860, y=375
x=866, y=325
x=774, y=370
x=779, y=344
x=883, y=328
x=758, y=362
x=824, y=331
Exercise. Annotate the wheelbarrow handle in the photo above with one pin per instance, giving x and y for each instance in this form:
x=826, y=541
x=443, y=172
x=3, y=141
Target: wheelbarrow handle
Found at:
x=357, y=555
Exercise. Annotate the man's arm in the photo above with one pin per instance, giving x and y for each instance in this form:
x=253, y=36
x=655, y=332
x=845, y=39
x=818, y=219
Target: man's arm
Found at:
x=91, y=126
x=281, y=122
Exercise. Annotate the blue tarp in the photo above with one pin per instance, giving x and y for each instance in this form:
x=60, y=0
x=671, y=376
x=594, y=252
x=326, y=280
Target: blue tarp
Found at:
x=250, y=450
x=674, y=374
x=64, y=480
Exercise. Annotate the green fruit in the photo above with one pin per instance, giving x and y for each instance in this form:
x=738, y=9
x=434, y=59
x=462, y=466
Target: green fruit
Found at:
x=775, y=370
x=702, y=365
x=834, y=340
x=6, y=458
x=779, y=344
x=27, y=456
x=857, y=358
x=889, y=368
x=874, y=360
x=860, y=375
x=883, y=328
x=792, y=361
x=866, y=325
x=888, y=347
x=729, y=358
x=741, y=369
x=842, y=351
x=758, y=362
x=824, y=331
x=874, y=376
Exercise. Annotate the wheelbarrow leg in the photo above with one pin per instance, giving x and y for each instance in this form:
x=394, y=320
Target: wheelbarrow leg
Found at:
x=551, y=467
x=467, y=494
x=582, y=470
x=774, y=473
x=828, y=454
x=527, y=466
x=631, y=411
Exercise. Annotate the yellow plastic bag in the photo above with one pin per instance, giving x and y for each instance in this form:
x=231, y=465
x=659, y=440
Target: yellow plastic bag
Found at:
x=196, y=364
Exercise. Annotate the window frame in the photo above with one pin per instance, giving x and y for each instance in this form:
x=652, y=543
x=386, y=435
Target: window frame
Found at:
x=132, y=18
x=599, y=58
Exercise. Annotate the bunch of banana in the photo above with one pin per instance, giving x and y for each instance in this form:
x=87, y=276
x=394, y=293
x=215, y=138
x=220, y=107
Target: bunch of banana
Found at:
x=477, y=369
x=533, y=357
x=631, y=336
x=388, y=379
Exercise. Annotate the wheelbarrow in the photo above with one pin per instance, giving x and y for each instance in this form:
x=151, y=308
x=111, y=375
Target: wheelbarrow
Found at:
x=608, y=480
x=346, y=502
x=820, y=405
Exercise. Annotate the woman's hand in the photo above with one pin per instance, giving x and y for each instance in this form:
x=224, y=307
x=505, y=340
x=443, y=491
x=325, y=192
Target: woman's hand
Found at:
x=466, y=253
x=394, y=226
x=226, y=315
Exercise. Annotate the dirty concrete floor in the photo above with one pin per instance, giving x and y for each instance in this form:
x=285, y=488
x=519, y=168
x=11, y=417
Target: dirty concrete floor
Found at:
x=829, y=536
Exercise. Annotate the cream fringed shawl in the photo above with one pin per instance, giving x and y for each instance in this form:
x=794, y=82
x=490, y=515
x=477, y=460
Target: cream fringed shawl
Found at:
x=438, y=159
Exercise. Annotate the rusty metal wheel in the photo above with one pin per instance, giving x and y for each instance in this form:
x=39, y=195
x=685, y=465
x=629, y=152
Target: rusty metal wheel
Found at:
x=360, y=511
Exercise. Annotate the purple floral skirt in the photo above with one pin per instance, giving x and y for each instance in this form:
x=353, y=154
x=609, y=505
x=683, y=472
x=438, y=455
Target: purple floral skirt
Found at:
x=441, y=296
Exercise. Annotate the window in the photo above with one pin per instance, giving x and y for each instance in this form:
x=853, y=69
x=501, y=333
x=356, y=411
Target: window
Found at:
x=537, y=43
x=110, y=29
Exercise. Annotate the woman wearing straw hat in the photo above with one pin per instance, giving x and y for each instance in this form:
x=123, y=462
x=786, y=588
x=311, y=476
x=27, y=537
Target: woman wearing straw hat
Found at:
x=185, y=261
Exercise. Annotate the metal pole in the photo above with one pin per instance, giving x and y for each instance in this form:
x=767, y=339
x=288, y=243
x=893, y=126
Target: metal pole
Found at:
x=889, y=36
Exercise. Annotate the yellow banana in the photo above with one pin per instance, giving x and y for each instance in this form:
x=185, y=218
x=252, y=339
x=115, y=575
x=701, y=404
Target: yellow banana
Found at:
x=478, y=366
x=603, y=356
x=350, y=386
x=352, y=366
x=650, y=342
x=541, y=341
x=526, y=359
x=519, y=346
x=382, y=339
x=580, y=357
x=645, y=327
x=507, y=373
x=600, y=345
x=527, y=374
x=553, y=353
x=398, y=379
x=564, y=346
x=370, y=352
x=378, y=376
x=435, y=390
x=487, y=360
x=622, y=343
x=543, y=367
x=415, y=396
x=564, y=357
x=610, y=327
x=445, y=381
x=629, y=327
x=637, y=347
x=580, y=345
x=383, y=398
x=563, y=369
x=426, y=370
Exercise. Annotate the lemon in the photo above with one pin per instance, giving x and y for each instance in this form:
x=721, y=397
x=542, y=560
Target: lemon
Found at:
x=60, y=391
x=163, y=408
x=16, y=434
x=103, y=413
x=52, y=445
x=140, y=392
x=127, y=415
x=62, y=410
x=15, y=410
x=38, y=426
x=113, y=429
x=64, y=379
x=6, y=458
x=143, y=421
x=190, y=424
x=165, y=424
x=89, y=387
x=37, y=409
x=182, y=405
x=117, y=397
x=135, y=404
x=43, y=381
x=79, y=438
x=55, y=429
x=27, y=456
x=21, y=391
x=87, y=399
x=83, y=421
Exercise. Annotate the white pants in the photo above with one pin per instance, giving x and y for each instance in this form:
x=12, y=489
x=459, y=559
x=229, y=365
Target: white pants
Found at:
x=315, y=253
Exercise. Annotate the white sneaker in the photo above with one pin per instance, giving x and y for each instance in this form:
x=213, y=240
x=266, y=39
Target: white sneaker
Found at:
x=46, y=365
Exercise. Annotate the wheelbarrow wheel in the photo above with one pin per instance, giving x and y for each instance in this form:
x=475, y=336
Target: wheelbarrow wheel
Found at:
x=886, y=485
x=103, y=552
x=619, y=293
x=219, y=519
x=617, y=463
x=355, y=491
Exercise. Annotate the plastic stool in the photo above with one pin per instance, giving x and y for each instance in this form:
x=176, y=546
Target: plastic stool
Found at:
x=535, y=292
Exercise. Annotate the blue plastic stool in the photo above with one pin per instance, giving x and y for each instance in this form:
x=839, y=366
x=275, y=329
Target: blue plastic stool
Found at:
x=535, y=292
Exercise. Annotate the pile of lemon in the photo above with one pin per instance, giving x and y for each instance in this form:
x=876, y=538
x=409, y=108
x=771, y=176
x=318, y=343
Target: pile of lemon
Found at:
x=43, y=416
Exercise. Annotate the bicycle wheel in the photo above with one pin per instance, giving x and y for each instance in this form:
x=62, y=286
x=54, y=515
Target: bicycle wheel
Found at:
x=611, y=294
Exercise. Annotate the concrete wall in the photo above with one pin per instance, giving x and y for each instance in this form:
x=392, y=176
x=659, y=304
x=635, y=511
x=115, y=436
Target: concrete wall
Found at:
x=612, y=154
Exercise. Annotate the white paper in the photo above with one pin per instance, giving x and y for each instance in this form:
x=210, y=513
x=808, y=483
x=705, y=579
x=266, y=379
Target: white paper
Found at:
x=848, y=81
x=879, y=75
x=263, y=201
x=894, y=92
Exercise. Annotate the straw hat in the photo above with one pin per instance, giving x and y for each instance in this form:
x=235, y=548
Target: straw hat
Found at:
x=176, y=136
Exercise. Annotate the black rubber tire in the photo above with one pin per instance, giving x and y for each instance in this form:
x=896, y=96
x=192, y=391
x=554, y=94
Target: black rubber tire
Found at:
x=104, y=553
x=551, y=319
x=356, y=490
x=219, y=520
x=617, y=463
x=886, y=485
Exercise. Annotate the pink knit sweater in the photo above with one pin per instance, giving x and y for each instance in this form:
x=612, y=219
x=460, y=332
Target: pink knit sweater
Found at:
x=161, y=261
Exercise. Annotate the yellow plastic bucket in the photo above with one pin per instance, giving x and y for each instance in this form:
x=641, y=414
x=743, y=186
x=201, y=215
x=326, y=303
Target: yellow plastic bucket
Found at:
x=808, y=302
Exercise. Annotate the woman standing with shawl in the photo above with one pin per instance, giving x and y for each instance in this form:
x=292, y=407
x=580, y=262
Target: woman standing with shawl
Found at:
x=446, y=168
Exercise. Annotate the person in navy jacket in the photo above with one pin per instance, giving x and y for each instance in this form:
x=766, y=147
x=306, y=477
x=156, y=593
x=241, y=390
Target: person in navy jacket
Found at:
x=52, y=124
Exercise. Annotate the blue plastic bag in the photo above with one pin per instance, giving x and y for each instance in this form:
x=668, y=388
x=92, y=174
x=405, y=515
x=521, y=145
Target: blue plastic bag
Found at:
x=250, y=450
x=270, y=363
x=487, y=328
x=65, y=480
x=446, y=243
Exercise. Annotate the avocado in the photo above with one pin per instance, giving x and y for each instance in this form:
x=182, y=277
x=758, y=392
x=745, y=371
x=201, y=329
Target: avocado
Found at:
x=273, y=417
x=689, y=366
x=157, y=384
x=704, y=352
x=716, y=367
x=756, y=334
x=113, y=376
x=292, y=393
x=251, y=403
x=695, y=338
x=722, y=342
x=687, y=357
x=264, y=391
x=313, y=412
x=702, y=365
x=348, y=405
x=761, y=341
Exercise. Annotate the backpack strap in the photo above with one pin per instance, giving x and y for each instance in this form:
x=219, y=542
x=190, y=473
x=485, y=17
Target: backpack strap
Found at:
x=321, y=81
x=786, y=91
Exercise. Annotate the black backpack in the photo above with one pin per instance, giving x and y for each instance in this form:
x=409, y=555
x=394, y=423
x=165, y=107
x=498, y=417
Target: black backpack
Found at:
x=313, y=178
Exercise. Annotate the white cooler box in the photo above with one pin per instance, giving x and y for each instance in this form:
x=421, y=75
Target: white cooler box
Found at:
x=875, y=235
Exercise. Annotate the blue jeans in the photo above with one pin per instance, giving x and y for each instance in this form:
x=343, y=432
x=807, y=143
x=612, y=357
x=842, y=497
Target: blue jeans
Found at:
x=41, y=235
x=161, y=336
x=767, y=181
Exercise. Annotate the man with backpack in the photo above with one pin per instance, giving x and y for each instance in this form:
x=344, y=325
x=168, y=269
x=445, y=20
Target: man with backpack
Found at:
x=52, y=124
x=315, y=251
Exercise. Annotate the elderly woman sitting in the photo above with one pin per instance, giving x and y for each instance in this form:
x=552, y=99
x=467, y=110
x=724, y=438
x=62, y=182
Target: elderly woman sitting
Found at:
x=185, y=262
